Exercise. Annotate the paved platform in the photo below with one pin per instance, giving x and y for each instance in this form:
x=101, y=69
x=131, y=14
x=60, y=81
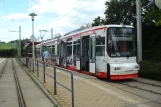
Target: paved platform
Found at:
x=33, y=96
x=90, y=92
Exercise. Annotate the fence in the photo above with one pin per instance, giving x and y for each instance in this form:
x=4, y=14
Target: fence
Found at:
x=30, y=63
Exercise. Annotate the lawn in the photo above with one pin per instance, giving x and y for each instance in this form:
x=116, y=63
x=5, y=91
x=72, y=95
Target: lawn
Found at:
x=6, y=45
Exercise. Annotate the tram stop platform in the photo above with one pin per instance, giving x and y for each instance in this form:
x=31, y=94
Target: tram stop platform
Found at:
x=88, y=91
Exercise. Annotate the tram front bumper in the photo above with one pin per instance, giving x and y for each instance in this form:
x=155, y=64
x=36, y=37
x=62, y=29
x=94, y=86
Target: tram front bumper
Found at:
x=124, y=71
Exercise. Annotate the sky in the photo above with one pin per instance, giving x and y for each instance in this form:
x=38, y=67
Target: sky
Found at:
x=61, y=15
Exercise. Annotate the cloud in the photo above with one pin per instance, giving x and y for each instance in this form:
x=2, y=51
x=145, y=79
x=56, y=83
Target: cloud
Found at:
x=16, y=17
x=55, y=14
x=59, y=6
x=62, y=19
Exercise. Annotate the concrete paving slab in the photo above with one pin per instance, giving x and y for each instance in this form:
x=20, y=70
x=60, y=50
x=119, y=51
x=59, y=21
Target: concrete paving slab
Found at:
x=32, y=92
x=21, y=73
x=7, y=85
x=24, y=78
x=7, y=74
x=39, y=102
x=8, y=95
x=27, y=83
x=9, y=104
x=7, y=78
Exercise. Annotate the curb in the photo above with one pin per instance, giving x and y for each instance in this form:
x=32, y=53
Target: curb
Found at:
x=54, y=101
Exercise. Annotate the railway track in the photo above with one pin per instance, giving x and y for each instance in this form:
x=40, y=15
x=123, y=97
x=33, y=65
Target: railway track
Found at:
x=3, y=68
x=152, y=88
x=21, y=100
x=149, y=91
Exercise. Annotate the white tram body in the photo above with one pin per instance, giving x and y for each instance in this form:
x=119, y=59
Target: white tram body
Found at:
x=104, y=51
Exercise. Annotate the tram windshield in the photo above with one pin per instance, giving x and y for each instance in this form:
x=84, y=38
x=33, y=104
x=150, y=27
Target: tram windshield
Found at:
x=121, y=42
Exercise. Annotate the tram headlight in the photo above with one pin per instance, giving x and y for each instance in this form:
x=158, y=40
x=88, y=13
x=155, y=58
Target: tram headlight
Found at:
x=136, y=67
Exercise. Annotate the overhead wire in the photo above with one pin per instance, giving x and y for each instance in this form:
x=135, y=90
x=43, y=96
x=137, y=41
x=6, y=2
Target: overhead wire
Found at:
x=73, y=9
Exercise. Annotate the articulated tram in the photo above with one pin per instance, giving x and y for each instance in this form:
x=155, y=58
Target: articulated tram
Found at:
x=104, y=51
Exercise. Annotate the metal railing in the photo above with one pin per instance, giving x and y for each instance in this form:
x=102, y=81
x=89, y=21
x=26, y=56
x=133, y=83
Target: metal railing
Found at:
x=30, y=63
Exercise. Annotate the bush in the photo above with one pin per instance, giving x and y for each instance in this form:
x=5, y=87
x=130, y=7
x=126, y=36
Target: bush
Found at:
x=150, y=69
x=7, y=52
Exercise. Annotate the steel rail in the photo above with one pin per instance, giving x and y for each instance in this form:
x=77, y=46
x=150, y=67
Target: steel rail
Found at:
x=21, y=100
x=109, y=83
x=3, y=68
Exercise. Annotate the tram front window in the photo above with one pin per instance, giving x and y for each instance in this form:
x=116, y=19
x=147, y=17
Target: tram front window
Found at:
x=121, y=42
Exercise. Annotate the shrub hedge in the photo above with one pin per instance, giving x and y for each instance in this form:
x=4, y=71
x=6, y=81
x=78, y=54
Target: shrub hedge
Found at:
x=7, y=52
x=150, y=69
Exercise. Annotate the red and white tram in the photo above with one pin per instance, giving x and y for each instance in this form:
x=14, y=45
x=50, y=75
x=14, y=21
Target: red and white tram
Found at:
x=104, y=51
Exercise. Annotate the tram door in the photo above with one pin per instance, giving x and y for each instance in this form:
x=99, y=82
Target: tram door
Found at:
x=78, y=51
x=58, y=52
x=92, y=53
x=84, y=59
x=63, y=51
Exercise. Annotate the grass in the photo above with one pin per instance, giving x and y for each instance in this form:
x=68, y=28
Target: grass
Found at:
x=6, y=45
x=55, y=105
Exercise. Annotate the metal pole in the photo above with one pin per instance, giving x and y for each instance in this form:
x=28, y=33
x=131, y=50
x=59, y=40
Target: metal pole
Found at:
x=20, y=41
x=33, y=65
x=139, y=30
x=44, y=71
x=42, y=49
x=33, y=54
x=51, y=33
x=72, y=87
x=55, y=80
x=37, y=68
x=17, y=46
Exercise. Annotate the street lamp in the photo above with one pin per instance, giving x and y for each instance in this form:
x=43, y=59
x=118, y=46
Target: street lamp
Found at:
x=155, y=2
x=41, y=36
x=158, y=3
x=33, y=52
x=19, y=53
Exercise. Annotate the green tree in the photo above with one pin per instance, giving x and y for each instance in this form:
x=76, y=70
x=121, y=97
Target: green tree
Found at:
x=98, y=21
x=124, y=11
x=120, y=11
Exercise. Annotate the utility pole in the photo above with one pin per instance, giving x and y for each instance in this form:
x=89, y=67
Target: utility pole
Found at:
x=51, y=33
x=41, y=36
x=19, y=42
x=139, y=30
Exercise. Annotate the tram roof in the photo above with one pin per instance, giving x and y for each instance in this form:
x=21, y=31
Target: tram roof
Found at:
x=77, y=31
x=30, y=43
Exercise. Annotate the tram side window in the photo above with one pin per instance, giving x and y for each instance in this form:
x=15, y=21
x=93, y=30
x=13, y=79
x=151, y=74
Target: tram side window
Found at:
x=58, y=48
x=77, y=49
x=100, y=46
x=53, y=49
x=69, y=49
x=74, y=48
